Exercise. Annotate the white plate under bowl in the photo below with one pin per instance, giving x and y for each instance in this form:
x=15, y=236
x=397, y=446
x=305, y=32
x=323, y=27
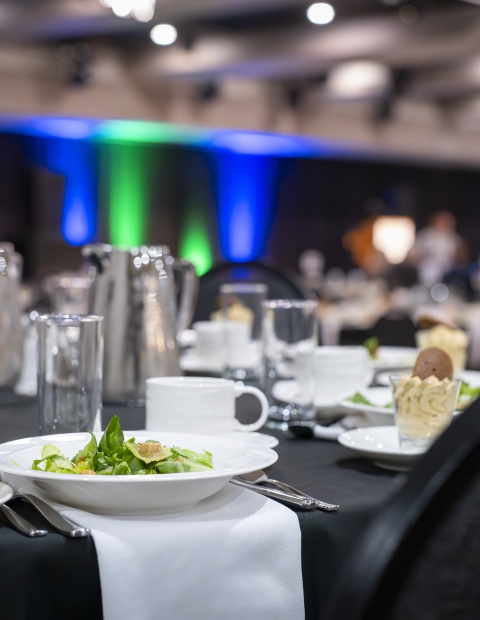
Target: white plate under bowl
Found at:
x=381, y=445
x=378, y=415
x=6, y=492
x=395, y=357
x=132, y=495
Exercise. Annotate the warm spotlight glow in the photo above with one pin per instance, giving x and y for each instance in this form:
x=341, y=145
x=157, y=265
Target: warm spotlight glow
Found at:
x=320, y=13
x=106, y=3
x=394, y=236
x=163, y=34
x=358, y=79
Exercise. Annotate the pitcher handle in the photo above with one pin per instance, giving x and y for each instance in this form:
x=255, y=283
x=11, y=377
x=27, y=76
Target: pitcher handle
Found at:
x=188, y=297
x=245, y=389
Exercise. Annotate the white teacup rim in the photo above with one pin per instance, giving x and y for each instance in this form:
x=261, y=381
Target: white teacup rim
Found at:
x=188, y=382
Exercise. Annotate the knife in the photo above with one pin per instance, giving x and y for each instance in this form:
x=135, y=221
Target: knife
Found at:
x=56, y=520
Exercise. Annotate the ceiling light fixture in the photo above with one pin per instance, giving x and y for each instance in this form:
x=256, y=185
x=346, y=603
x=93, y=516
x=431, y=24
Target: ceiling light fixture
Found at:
x=122, y=8
x=141, y=10
x=358, y=79
x=320, y=13
x=163, y=34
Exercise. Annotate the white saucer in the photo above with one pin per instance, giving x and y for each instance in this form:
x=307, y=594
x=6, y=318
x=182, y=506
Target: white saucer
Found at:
x=6, y=492
x=395, y=357
x=260, y=439
x=381, y=445
x=192, y=362
x=288, y=391
x=378, y=415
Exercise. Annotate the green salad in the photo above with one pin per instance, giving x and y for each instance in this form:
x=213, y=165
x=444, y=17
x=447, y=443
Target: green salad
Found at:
x=113, y=456
x=466, y=396
x=372, y=345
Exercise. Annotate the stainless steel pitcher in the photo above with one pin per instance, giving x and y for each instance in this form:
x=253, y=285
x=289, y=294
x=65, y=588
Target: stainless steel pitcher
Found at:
x=134, y=290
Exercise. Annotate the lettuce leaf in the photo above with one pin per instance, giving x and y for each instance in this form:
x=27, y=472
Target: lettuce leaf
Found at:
x=113, y=456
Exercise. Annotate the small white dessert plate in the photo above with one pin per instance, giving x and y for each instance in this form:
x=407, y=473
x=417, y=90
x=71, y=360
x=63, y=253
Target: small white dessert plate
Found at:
x=377, y=413
x=132, y=495
x=381, y=445
x=6, y=492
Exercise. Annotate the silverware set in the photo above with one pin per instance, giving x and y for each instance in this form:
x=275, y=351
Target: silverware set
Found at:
x=253, y=481
x=53, y=517
x=283, y=492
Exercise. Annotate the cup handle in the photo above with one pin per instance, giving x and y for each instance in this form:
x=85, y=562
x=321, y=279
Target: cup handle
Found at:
x=248, y=428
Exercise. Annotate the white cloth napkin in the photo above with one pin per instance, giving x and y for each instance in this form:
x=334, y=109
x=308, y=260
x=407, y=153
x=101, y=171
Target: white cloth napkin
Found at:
x=235, y=556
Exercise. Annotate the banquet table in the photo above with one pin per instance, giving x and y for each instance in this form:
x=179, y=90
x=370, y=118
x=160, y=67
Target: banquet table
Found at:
x=54, y=577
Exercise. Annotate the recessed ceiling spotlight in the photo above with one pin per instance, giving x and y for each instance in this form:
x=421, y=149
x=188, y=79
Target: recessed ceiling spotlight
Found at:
x=143, y=10
x=122, y=8
x=320, y=13
x=163, y=34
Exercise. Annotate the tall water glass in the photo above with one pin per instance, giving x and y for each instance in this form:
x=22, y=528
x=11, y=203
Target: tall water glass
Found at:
x=241, y=309
x=70, y=360
x=290, y=335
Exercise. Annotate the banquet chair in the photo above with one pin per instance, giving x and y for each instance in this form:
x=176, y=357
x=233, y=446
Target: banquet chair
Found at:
x=418, y=557
x=395, y=330
x=280, y=285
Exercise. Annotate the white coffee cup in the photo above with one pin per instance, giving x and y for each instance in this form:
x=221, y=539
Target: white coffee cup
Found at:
x=340, y=372
x=210, y=339
x=201, y=405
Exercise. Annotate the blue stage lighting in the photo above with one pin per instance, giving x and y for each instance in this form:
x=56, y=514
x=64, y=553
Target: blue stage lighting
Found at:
x=74, y=160
x=246, y=207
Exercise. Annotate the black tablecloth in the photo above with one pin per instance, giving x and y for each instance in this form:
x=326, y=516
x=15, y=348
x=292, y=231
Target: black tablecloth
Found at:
x=55, y=578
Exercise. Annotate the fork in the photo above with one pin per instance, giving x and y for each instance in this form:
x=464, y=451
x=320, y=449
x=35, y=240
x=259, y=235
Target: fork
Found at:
x=259, y=476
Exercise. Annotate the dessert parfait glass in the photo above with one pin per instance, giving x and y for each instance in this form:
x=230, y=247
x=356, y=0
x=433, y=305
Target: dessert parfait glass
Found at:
x=423, y=408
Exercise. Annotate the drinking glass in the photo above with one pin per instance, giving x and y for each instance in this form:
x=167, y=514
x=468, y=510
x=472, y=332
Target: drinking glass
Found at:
x=68, y=293
x=290, y=330
x=241, y=310
x=70, y=359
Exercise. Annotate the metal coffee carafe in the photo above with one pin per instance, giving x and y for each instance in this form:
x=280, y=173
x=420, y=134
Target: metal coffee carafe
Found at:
x=134, y=290
x=11, y=331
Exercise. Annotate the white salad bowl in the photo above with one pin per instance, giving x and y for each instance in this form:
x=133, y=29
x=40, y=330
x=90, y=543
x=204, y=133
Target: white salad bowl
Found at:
x=131, y=495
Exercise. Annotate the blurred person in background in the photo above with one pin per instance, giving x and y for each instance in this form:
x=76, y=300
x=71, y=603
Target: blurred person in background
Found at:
x=438, y=249
x=359, y=242
x=311, y=265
